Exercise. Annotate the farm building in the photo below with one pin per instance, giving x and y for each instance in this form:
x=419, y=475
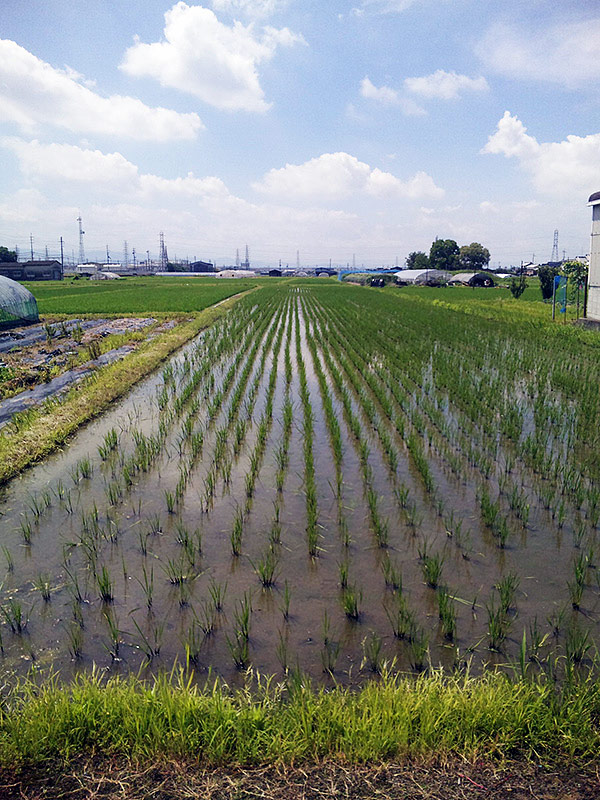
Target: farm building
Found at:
x=33, y=270
x=593, y=305
x=422, y=276
x=17, y=305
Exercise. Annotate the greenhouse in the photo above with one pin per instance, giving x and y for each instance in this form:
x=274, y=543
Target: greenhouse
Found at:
x=17, y=305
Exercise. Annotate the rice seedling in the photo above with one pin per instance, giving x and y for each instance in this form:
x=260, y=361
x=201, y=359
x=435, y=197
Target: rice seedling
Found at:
x=177, y=571
x=371, y=647
x=447, y=614
x=109, y=444
x=42, y=584
x=285, y=603
x=498, y=625
x=170, y=501
x=418, y=649
x=74, y=634
x=105, y=585
x=26, y=529
x=391, y=574
x=147, y=584
x=239, y=649
x=237, y=532
x=351, y=600
x=577, y=643
x=266, y=568
x=242, y=615
x=432, y=566
x=114, y=641
x=16, y=617
x=217, y=592
x=10, y=564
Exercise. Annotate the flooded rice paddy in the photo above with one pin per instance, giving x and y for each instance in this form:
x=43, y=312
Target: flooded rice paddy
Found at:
x=326, y=479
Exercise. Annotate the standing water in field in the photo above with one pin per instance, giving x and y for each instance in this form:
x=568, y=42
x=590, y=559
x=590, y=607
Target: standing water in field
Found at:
x=325, y=480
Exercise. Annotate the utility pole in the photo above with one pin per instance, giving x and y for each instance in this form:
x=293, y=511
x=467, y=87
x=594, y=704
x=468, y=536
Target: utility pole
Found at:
x=46, y=252
x=62, y=255
x=31, y=244
x=107, y=255
x=81, y=235
x=148, y=258
x=134, y=258
x=125, y=255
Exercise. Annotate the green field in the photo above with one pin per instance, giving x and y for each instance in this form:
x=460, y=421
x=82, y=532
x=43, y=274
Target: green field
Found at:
x=145, y=295
x=385, y=499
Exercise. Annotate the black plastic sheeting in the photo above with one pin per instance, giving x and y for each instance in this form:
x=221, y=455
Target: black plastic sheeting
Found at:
x=58, y=385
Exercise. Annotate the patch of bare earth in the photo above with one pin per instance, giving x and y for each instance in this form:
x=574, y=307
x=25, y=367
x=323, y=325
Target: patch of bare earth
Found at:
x=104, y=779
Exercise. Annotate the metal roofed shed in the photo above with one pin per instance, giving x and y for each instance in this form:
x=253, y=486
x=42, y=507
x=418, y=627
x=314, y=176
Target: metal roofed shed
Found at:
x=17, y=305
x=422, y=277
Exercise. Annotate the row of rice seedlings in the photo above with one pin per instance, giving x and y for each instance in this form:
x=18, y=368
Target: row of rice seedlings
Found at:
x=264, y=424
x=310, y=487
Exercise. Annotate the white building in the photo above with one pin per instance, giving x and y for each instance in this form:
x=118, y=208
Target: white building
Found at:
x=593, y=305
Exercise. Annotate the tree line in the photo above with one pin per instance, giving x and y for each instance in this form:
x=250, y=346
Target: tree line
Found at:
x=445, y=254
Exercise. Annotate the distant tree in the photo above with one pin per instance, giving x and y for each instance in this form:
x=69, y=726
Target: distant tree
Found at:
x=473, y=257
x=444, y=254
x=417, y=260
x=546, y=274
x=7, y=255
x=517, y=286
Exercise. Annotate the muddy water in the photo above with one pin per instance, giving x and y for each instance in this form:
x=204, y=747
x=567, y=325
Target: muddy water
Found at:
x=138, y=543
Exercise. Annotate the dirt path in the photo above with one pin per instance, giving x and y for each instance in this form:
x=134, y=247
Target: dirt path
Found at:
x=107, y=779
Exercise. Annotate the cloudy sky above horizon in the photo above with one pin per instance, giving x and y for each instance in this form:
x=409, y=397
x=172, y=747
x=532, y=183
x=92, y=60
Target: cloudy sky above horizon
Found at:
x=342, y=129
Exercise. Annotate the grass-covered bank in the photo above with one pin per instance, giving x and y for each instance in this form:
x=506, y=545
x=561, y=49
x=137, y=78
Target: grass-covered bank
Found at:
x=48, y=426
x=433, y=716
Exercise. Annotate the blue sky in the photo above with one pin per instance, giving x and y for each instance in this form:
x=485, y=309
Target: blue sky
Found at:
x=340, y=130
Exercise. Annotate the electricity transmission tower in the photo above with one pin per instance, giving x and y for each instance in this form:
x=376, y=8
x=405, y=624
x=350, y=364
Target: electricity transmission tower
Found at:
x=163, y=255
x=554, y=256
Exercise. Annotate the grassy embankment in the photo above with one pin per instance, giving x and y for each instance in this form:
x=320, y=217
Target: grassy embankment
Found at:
x=48, y=426
x=432, y=716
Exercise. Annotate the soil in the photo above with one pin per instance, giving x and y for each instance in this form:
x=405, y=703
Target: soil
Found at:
x=107, y=779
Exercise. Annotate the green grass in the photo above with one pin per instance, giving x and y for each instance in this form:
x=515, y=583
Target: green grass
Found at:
x=133, y=295
x=266, y=722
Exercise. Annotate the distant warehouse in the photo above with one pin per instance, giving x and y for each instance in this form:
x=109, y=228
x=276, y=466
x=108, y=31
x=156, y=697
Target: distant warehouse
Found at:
x=32, y=270
x=593, y=305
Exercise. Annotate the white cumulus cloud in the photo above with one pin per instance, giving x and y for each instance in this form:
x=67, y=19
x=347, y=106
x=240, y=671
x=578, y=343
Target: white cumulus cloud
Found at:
x=556, y=168
x=382, y=94
x=35, y=94
x=338, y=175
x=65, y=162
x=204, y=57
x=387, y=96
x=567, y=53
x=445, y=85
